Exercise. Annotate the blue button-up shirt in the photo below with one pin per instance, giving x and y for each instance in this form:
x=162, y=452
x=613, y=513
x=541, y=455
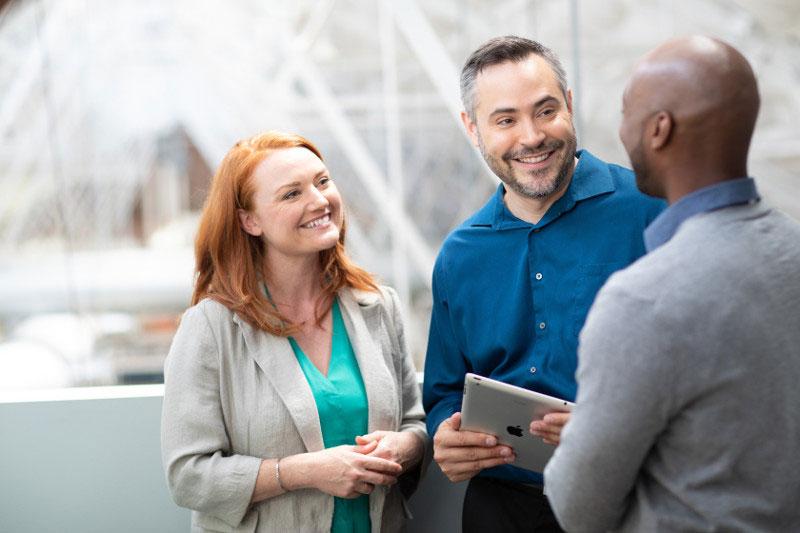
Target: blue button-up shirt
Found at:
x=510, y=297
x=723, y=194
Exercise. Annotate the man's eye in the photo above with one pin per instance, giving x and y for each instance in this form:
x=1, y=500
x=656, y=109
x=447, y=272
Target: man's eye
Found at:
x=547, y=112
x=504, y=122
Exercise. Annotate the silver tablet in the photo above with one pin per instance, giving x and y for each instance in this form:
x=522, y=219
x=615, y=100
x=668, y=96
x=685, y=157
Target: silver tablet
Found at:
x=506, y=411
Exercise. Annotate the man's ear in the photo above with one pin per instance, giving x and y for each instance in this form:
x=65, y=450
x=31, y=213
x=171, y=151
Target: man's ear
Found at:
x=248, y=223
x=660, y=130
x=472, y=129
x=569, y=101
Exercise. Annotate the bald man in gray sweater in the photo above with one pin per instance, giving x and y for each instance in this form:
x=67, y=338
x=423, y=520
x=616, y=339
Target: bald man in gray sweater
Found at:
x=688, y=405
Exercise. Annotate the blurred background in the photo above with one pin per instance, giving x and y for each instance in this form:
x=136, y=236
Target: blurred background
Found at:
x=114, y=116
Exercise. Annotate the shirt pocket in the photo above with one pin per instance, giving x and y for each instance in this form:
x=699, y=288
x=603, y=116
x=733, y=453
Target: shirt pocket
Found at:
x=590, y=279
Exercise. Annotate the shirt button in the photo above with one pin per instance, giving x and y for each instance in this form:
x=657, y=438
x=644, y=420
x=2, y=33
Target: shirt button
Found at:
x=533, y=370
x=538, y=275
x=542, y=325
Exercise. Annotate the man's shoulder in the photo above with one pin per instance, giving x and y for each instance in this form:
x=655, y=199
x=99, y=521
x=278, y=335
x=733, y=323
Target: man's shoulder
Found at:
x=704, y=274
x=485, y=215
x=469, y=231
x=707, y=250
x=738, y=236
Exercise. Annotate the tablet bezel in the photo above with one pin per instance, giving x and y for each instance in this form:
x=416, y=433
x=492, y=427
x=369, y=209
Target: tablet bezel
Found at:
x=493, y=407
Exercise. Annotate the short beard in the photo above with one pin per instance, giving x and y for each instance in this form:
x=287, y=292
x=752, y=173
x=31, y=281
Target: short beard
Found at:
x=539, y=187
x=641, y=169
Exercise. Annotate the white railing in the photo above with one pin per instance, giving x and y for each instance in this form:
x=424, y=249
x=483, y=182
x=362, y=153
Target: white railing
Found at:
x=88, y=460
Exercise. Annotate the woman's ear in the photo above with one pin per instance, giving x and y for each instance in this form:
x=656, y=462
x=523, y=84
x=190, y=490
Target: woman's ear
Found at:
x=248, y=223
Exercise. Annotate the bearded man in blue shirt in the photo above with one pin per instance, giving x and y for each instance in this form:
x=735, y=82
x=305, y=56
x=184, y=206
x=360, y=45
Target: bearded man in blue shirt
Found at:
x=512, y=284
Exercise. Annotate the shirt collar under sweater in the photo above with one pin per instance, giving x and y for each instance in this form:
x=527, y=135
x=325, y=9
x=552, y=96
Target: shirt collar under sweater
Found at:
x=724, y=194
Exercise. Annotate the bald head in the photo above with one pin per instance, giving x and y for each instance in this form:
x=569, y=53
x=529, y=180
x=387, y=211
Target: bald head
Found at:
x=694, y=101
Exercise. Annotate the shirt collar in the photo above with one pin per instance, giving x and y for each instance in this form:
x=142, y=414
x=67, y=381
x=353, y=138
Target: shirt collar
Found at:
x=591, y=178
x=724, y=194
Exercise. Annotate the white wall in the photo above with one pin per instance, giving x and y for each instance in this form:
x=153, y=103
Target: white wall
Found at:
x=94, y=465
x=91, y=465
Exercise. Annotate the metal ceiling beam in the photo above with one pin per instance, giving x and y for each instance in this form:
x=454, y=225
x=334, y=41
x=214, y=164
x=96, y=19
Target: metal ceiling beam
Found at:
x=433, y=57
x=42, y=41
x=394, y=150
x=357, y=153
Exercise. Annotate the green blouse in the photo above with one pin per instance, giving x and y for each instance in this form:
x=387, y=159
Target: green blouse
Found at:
x=343, y=413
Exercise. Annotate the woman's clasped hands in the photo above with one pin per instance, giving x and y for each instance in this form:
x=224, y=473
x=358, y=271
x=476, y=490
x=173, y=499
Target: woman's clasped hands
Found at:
x=377, y=458
x=349, y=471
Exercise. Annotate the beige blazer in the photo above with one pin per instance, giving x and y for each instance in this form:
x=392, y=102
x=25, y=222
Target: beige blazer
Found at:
x=235, y=395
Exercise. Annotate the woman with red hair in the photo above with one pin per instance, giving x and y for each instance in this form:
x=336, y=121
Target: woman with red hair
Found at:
x=291, y=403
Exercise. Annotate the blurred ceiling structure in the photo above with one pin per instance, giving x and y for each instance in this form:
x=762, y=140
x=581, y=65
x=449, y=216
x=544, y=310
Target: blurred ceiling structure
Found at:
x=113, y=116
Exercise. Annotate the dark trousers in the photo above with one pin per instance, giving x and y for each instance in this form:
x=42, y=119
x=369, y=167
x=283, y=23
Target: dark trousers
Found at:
x=497, y=505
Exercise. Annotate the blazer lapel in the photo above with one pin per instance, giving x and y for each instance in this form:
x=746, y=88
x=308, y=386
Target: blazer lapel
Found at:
x=276, y=359
x=362, y=319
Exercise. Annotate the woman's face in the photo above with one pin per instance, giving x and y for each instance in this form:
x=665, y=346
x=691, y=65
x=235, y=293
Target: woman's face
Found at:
x=296, y=208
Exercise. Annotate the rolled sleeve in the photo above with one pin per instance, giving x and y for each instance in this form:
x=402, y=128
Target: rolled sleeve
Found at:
x=201, y=473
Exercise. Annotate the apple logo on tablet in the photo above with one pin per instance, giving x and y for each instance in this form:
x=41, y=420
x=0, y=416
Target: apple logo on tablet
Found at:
x=515, y=430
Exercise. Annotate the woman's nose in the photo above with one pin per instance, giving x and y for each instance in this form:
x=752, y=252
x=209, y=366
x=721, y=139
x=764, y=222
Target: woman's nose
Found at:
x=318, y=199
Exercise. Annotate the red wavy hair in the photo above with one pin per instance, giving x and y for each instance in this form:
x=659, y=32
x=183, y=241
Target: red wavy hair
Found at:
x=229, y=262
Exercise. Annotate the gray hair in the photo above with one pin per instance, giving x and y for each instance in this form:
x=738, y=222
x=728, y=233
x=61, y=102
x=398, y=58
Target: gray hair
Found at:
x=500, y=50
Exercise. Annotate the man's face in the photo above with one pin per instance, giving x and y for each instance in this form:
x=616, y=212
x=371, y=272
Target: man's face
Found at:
x=523, y=127
x=630, y=133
